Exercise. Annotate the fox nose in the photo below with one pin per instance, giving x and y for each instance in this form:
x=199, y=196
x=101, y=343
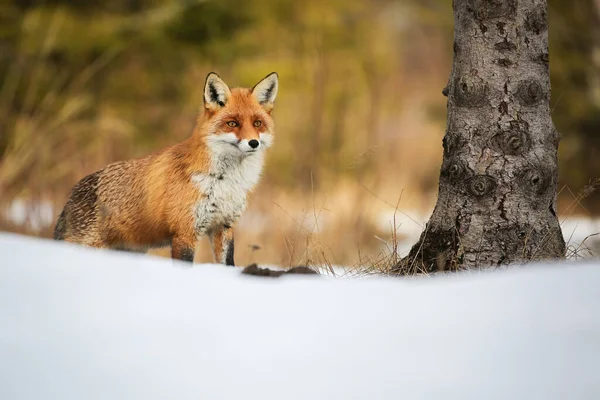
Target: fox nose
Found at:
x=253, y=143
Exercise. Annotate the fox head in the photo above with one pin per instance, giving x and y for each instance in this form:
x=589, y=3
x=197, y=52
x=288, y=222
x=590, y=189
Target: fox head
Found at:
x=239, y=120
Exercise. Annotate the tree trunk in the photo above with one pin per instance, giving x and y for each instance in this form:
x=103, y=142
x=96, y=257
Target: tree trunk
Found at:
x=498, y=181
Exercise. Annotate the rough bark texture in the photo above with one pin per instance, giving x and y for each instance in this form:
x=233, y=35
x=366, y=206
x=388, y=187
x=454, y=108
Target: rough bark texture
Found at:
x=498, y=182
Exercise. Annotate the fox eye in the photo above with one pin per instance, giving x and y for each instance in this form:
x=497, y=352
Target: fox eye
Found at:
x=232, y=124
x=257, y=123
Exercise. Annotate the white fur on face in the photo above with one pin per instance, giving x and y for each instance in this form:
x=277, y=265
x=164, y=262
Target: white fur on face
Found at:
x=225, y=143
x=228, y=143
x=266, y=140
x=245, y=147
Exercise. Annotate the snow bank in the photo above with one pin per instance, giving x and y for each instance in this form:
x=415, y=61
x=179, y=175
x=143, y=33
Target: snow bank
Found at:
x=78, y=323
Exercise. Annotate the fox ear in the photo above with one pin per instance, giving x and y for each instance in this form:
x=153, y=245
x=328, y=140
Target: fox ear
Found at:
x=216, y=92
x=265, y=91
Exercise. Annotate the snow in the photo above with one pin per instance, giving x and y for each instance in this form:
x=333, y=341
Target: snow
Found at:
x=79, y=323
x=36, y=215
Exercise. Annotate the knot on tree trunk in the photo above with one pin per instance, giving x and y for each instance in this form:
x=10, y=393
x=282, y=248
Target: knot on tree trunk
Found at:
x=515, y=141
x=543, y=59
x=537, y=20
x=454, y=170
x=470, y=91
x=505, y=45
x=481, y=185
x=530, y=92
x=489, y=9
x=452, y=142
x=535, y=181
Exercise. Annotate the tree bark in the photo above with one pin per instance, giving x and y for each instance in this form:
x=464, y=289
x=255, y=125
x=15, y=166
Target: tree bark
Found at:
x=498, y=181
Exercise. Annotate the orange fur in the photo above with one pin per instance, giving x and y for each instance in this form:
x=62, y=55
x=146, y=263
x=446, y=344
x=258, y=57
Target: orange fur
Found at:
x=150, y=201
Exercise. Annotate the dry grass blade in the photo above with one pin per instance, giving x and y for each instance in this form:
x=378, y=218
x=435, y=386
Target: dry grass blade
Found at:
x=391, y=205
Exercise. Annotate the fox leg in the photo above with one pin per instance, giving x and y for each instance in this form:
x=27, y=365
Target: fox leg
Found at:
x=182, y=248
x=222, y=244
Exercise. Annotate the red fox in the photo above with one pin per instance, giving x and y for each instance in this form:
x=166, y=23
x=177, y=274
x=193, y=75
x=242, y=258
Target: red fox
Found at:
x=191, y=189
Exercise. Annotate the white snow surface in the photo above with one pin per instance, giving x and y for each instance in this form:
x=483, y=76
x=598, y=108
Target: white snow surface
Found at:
x=79, y=323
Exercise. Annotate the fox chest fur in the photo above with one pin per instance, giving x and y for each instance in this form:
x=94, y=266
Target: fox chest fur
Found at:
x=223, y=190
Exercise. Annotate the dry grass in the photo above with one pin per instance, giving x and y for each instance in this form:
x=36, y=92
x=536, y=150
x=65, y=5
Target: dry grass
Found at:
x=585, y=249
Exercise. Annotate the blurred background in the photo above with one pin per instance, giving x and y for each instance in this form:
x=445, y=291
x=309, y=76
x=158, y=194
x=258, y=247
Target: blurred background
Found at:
x=359, y=117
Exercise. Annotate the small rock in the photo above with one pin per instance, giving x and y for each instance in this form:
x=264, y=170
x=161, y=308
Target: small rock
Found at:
x=254, y=269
